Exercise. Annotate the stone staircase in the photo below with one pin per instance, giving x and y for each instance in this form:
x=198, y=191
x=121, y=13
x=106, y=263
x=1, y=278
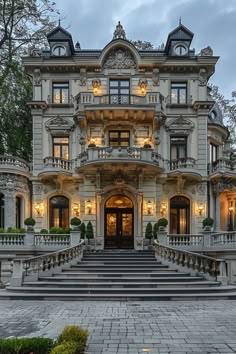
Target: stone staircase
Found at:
x=120, y=275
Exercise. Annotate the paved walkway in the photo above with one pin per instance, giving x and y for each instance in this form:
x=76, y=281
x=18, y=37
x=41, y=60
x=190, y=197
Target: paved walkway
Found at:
x=129, y=327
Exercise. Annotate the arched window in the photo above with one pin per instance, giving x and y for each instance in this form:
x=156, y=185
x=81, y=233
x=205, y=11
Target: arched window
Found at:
x=18, y=211
x=59, y=212
x=2, y=207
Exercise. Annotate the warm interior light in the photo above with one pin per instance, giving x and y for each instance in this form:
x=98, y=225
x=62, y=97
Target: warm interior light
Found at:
x=163, y=208
x=149, y=207
x=89, y=206
x=38, y=209
x=231, y=209
x=76, y=209
x=200, y=208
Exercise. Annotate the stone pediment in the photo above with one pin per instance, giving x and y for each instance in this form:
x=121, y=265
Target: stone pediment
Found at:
x=119, y=58
x=59, y=123
x=180, y=126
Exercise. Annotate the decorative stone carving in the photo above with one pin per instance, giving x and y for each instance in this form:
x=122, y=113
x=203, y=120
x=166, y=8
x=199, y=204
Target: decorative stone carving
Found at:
x=37, y=77
x=34, y=52
x=201, y=188
x=119, y=32
x=206, y=52
x=180, y=125
x=119, y=178
x=222, y=186
x=37, y=188
x=13, y=183
x=202, y=77
x=143, y=84
x=83, y=77
x=120, y=59
x=59, y=123
x=96, y=83
x=155, y=77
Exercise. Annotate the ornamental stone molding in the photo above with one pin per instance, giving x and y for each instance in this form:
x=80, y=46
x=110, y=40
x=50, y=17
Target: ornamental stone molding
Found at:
x=34, y=52
x=202, y=77
x=155, y=77
x=83, y=77
x=59, y=123
x=119, y=58
x=13, y=184
x=119, y=32
x=206, y=52
x=180, y=125
x=37, y=77
x=202, y=188
x=221, y=186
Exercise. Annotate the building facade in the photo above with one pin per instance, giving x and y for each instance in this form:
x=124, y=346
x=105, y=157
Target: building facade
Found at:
x=122, y=137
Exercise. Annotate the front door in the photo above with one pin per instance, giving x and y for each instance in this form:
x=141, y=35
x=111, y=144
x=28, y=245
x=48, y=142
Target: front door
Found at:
x=119, y=223
x=179, y=215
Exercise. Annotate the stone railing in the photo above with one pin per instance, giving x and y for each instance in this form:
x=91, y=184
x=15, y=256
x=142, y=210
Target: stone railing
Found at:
x=52, y=240
x=195, y=262
x=51, y=162
x=182, y=163
x=32, y=268
x=120, y=153
x=12, y=239
x=223, y=238
x=11, y=162
x=185, y=240
x=221, y=165
x=69, y=100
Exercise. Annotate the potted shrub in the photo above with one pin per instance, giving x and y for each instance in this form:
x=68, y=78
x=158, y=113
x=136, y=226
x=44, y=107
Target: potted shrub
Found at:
x=92, y=145
x=82, y=230
x=29, y=222
x=75, y=223
x=147, y=146
x=207, y=223
x=90, y=233
x=162, y=223
x=148, y=232
x=155, y=230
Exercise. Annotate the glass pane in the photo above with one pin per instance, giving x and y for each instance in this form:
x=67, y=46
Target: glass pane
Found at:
x=64, y=95
x=114, y=83
x=64, y=218
x=124, y=135
x=56, y=151
x=124, y=83
x=65, y=152
x=124, y=91
x=124, y=143
x=113, y=91
x=60, y=84
x=182, y=96
x=174, y=95
x=119, y=201
x=63, y=140
x=56, y=219
x=182, y=221
x=126, y=225
x=56, y=95
x=114, y=135
x=111, y=224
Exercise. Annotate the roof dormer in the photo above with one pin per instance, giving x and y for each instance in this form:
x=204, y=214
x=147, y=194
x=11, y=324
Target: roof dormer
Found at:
x=179, y=41
x=60, y=42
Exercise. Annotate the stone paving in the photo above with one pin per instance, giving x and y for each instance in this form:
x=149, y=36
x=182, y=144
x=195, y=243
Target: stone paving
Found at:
x=129, y=327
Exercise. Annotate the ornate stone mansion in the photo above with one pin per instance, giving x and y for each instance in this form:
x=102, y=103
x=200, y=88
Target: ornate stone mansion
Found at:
x=122, y=137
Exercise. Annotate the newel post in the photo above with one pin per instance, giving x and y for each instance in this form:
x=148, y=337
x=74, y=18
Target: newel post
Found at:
x=222, y=277
x=17, y=273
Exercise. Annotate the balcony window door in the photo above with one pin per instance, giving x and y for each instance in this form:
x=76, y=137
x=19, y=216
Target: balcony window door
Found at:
x=119, y=91
x=213, y=153
x=119, y=138
x=61, y=147
x=178, y=93
x=60, y=92
x=178, y=147
x=59, y=212
x=179, y=215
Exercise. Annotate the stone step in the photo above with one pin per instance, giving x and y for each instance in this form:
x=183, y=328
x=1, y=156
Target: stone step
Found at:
x=118, y=261
x=119, y=274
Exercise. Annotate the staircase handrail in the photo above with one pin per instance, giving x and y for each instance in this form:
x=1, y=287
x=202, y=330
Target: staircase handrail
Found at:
x=215, y=267
x=43, y=263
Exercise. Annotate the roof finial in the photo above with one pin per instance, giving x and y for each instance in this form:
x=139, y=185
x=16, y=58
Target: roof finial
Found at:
x=119, y=32
x=59, y=21
x=180, y=21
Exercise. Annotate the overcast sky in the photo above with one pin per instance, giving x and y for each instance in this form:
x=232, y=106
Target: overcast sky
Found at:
x=213, y=22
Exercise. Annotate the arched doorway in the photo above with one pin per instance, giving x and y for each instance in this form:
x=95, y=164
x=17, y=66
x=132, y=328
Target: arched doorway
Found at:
x=179, y=215
x=119, y=225
x=59, y=212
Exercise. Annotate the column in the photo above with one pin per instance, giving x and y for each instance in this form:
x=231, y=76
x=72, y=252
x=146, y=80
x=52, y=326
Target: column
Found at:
x=217, y=212
x=10, y=210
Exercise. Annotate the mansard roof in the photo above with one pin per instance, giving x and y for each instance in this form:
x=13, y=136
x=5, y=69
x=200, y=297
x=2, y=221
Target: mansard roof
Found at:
x=59, y=34
x=180, y=33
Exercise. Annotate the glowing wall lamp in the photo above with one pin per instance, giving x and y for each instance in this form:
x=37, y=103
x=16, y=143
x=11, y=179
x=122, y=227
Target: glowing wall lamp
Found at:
x=163, y=208
x=96, y=85
x=76, y=209
x=38, y=209
x=143, y=85
x=149, y=207
x=89, y=206
x=200, y=208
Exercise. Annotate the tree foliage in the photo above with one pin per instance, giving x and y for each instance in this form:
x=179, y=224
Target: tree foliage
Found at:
x=142, y=45
x=22, y=23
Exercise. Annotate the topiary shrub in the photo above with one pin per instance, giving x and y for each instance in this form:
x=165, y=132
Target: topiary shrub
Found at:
x=44, y=231
x=91, y=145
x=82, y=230
x=155, y=230
x=67, y=339
x=68, y=348
x=148, y=231
x=147, y=146
x=75, y=221
x=162, y=222
x=207, y=222
x=66, y=230
x=89, y=231
x=29, y=222
x=26, y=345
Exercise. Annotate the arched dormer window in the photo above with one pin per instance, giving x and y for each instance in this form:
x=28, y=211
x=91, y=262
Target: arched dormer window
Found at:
x=59, y=50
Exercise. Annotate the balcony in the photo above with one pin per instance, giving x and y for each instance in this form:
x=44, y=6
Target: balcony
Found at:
x=119, y=106
x=101, y=155
x=221, y=165
x=182, y=163
x=55, y=165
x=14, y=164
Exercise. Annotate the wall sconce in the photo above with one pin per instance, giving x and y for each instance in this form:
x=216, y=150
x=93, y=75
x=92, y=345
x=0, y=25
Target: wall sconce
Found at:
x=38, y=209
x=143, y=85
x=89, y=206
x=163, y=208
x=200, y=208
x=231, y=210
x=76, y=209
x=96, y=85
x=149, y=207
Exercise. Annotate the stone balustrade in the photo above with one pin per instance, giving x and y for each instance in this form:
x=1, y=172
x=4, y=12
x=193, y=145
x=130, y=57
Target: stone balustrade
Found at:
x=223, y=238
x=195, y=262
x=12, y=239
x=32, y=268
x=51, y=240
x=185, y=240
x=182, y=163
x=12, y=162
x=221, y=164
x=58, y=163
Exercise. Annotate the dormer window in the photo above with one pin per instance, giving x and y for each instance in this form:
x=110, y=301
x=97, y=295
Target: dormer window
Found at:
x=59, y=51
x=180, y=50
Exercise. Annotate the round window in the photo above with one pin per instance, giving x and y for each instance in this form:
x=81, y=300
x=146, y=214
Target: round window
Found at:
x=59, y=50
x=180, y=49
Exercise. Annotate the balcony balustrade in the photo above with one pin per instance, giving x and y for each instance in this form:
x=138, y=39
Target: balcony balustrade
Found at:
x=182, y=163
x=221, y=165
x=14, y=163
x=57, y=163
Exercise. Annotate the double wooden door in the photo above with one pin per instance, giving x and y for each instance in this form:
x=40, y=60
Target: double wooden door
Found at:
x=119, y=228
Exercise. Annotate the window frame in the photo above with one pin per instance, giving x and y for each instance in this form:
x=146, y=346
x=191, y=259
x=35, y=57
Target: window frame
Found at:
x=119, y=139
x=214, y=150
x=177, y=146
x=179, y=86
x=59, y=46
x=62, y=85
x=61, y=145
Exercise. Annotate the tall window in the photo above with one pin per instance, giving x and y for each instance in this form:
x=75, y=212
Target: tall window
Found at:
x=178, y=92
x=119, y=91
x=18, y=212
x=213, y=153
x=60, y=92
x=61, y=147
x=178, y=147
x=119, y=138
x=2, y=207
x=59, y=212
